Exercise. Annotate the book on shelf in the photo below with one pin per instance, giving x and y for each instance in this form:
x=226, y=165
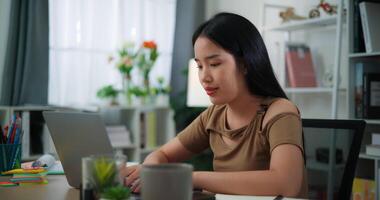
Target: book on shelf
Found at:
x=148, y=130
x=372, y=149
x=369, y=13
x=119, y=136
x=142, y=130
x=363, y=188
x=299, y=66
x=357, y=32
x=151, y=128
x=371, y=93
x=362, y=68
x=375, y=138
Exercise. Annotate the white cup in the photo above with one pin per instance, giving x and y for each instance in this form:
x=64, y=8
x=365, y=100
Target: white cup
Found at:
x=172, y=181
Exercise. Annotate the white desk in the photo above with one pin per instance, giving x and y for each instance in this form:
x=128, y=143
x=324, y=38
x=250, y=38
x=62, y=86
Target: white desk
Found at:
x=58, y=188
x=242, y=197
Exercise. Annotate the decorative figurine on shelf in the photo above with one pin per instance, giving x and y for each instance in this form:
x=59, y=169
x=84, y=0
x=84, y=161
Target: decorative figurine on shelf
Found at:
x=326, y=7
x=289, y=14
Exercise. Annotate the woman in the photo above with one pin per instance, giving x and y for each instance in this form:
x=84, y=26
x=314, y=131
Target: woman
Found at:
x=253, y=130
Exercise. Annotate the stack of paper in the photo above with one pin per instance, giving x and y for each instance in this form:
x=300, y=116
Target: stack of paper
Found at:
x=28, y=176
x=28, y=179
x=119, y=136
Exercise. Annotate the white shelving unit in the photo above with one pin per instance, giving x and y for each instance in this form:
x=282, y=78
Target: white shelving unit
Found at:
x=309, y=90
x=304, y=24
x=29, y=113
x=136, y=121
x=307, y=25
x=362, y=55
x=128, y=116
x=373, y=125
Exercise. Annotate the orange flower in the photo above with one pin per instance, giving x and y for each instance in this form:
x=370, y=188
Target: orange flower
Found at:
x=150, y=44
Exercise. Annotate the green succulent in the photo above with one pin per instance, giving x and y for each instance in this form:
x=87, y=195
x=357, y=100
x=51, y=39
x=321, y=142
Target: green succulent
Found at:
x=104, y=173
x=118, y=192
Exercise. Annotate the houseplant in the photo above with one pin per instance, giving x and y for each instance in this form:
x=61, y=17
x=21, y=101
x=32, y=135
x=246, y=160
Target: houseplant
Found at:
x=130, y=58
x=161, y=92
x=108, y=92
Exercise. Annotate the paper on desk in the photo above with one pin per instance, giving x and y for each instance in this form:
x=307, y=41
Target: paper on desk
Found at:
x=244, y=197
x=241, y=197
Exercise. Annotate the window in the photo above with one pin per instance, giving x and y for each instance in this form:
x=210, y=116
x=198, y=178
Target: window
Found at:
x=84, y=33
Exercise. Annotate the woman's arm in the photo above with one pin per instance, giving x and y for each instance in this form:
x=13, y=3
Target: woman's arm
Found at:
x=173, y=151
x=284, y=176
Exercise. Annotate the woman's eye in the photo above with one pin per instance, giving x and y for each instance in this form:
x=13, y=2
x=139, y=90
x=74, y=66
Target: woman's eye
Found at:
x=199, y=66
x=214, y=64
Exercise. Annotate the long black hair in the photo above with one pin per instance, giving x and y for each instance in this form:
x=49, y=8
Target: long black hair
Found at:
x=239, y=36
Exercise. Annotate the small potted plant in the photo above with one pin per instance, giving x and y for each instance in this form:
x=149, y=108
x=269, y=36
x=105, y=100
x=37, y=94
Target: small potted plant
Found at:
x=105, y=179
x=161, y=92
x=139, y=95
x=109, y=93
x=118, y=192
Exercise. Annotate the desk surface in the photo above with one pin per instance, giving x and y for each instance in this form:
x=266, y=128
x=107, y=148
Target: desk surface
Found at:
x=58, y=188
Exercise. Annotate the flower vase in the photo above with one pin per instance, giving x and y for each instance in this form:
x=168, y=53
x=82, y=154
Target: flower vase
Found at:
x=126, y=90
x=162, y=100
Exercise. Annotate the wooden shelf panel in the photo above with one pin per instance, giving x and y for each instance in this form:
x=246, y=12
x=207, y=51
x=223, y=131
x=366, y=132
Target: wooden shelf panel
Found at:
x=370, y=157
x=309, y=90
x=363, y=55
x=306, y=24
x=373, y=121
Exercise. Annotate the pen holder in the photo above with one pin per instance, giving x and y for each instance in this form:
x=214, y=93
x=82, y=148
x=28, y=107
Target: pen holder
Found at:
x=10, y=156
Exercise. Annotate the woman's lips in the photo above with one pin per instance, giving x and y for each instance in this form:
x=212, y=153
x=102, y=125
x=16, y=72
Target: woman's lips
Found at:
x=211, y=90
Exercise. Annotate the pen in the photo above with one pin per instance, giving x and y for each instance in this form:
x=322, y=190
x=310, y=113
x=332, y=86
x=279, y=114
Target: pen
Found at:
x=3, y=141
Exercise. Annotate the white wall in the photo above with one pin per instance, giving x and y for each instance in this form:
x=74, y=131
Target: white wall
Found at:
x=5, y=6
x=247, y=8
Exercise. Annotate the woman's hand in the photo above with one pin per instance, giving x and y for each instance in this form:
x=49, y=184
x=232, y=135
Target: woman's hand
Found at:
x=132, y=177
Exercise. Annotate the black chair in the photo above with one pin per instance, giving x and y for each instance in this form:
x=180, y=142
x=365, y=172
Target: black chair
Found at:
x=321, y=135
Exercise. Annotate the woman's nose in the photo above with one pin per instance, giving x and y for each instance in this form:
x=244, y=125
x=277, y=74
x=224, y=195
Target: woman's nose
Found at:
x=205, y=75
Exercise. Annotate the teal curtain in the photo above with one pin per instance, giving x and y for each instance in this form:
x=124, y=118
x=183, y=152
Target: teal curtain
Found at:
x=189, y=15
x=26, y=67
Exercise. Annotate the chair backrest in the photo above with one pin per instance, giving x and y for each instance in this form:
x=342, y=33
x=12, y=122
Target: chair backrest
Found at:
x=345, y=136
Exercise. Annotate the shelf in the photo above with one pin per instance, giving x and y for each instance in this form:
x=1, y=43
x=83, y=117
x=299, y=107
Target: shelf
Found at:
x=148, y=150
x=372, y=121
x=309, y=90
x=306, y=24
x=370, y=157
x=363, y=55
x=123, y=146
x=146, y=108
x=313, y=164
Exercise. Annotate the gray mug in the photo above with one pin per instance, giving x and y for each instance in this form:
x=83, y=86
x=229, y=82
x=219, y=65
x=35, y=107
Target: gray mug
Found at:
x=171, y=181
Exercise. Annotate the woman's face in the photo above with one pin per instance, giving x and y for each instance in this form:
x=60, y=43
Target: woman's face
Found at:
x=218, y=72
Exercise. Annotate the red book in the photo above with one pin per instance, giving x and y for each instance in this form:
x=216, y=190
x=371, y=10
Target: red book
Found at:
x=299, y=66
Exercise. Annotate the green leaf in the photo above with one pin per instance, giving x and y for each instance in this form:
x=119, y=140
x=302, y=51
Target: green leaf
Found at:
x=107, y=91
x=118, y=192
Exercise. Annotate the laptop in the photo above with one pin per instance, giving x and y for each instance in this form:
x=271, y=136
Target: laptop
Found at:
x=76, y=135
